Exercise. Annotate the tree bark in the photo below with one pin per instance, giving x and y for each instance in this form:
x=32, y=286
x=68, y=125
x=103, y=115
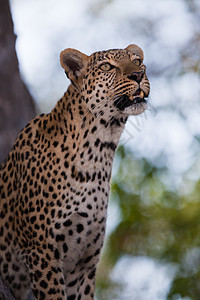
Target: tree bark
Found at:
x=16, y=104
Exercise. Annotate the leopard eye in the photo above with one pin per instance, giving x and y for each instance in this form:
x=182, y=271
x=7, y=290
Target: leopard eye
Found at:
x=106, y=67
x=137, y=62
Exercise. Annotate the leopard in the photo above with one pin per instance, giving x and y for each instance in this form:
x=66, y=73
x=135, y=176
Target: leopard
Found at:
x=55, y=182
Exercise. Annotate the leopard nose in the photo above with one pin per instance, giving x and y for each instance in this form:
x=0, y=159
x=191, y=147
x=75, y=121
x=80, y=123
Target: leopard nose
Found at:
x=136, y=76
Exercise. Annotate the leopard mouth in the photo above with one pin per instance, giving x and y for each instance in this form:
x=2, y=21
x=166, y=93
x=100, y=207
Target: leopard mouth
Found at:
x=125, y=101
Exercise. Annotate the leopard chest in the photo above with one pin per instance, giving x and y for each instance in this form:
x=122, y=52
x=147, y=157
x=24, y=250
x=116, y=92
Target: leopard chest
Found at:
x=83, y=229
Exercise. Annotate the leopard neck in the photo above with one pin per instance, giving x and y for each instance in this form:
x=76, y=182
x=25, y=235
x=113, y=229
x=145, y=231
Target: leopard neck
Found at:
x=86, y=139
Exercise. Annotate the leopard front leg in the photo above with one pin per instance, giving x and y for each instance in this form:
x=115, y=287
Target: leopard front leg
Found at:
x=87, y=287
x=46, y=275
x=81, y=285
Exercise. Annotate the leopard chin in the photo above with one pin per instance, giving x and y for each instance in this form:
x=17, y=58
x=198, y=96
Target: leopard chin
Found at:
x=134, y=105
x=136, y=108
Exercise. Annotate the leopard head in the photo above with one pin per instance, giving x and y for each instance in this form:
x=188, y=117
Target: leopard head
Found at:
x=110, y=82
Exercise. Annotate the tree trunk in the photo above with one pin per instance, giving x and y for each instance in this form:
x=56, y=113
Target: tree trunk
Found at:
x=16, y=104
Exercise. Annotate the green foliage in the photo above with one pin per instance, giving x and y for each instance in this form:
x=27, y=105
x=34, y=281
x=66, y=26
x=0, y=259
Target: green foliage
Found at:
x=155, y=221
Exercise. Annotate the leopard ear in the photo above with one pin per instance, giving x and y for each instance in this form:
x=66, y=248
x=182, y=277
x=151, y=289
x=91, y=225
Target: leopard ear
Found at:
x=135, y=50
x=73, y=62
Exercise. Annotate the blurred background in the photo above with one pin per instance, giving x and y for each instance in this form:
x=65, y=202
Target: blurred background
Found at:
x=152, y=248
